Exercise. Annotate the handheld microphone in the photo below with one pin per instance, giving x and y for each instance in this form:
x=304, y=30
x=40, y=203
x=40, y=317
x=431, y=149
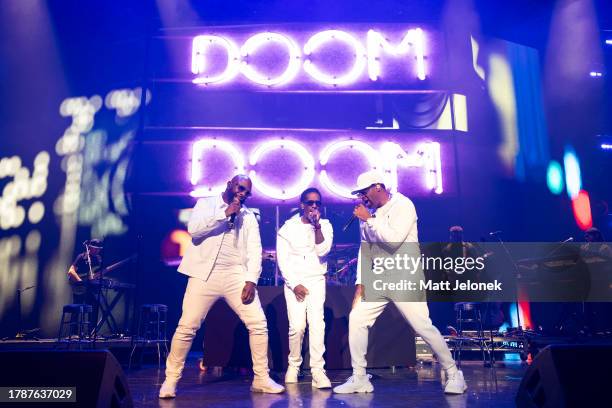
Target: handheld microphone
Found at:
x=232, y=221
x=348, y=223
x=561, y=244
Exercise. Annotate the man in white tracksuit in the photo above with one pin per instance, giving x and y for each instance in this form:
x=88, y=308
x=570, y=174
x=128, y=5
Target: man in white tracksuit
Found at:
x=395, y=223
x=302, y=245
x=223, y=260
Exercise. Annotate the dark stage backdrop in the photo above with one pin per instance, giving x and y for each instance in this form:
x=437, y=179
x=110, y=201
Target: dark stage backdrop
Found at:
x=101, y=119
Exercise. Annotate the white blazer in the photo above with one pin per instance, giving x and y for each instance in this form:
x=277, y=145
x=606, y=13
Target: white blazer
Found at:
x=206, y=226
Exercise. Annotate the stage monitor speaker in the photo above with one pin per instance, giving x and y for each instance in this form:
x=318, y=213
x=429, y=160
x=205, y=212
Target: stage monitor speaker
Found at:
x=96, y=374
x=567, y=376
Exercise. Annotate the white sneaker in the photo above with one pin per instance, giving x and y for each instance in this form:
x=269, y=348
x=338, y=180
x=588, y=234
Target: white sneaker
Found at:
x=455, y=384
x=355, y=383
x=291, y=376
x=168, y=389
x=266, y=385
x=319, y=379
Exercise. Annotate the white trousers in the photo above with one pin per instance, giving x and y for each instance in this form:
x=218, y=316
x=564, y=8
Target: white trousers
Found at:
x=364, y=315
x=308, y=311
x=199, y=298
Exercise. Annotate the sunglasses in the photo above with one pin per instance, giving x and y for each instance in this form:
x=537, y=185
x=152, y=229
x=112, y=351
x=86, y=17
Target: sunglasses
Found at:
x=364, y=192
x=313, y=202
x=242, y=189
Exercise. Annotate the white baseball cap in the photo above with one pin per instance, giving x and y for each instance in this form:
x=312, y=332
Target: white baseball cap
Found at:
x=368, y=179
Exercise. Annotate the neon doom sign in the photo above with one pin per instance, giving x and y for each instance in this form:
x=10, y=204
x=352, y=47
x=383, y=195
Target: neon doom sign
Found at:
x=282, y=167
x=336, y=58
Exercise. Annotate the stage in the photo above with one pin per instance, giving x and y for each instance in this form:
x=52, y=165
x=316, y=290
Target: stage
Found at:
x=396, y=186
x=419, y=386
x=413, y=387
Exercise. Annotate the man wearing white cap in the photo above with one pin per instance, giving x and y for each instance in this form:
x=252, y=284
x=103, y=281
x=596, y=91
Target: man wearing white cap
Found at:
x=394, y=221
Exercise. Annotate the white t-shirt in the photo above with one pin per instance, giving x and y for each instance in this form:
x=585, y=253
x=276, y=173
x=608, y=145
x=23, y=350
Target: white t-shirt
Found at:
x=229, y=254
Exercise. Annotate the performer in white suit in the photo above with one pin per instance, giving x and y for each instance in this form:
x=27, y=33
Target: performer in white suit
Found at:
x=302, y=245
x=394, y=223
x=223, y=261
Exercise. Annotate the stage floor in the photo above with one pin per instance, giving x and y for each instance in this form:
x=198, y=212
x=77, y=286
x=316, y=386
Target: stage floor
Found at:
x=420, y=387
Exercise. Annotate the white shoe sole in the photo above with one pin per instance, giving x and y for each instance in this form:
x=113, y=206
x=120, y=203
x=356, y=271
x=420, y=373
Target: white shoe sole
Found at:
x=267, y=390
x=321, y=386
x=165, y=393
x=359, y=391
x=456, y=392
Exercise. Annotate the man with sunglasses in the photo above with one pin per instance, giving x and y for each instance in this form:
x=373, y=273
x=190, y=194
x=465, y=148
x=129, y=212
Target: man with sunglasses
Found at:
x=302, y=246
x=389, y=219
x=222, y=261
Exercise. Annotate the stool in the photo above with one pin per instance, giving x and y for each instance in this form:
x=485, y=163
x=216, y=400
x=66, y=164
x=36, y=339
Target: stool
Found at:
x=151, y=330
x=75, y=322
x=469, y=313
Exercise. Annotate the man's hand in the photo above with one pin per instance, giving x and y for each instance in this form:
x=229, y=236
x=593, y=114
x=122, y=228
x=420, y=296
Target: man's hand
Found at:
x=73, y=276
x=362, y=212
x=248, y=293
x=300, y=292
x=359, y=294
x=233, y=208
x=314, y=217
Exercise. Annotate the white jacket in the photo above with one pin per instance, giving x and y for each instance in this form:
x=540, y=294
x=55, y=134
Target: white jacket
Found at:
x=206, y=226
x=395, y=223
x=299, y=258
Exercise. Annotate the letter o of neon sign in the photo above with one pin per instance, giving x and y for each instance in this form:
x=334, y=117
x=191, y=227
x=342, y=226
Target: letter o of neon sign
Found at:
x=293, y=191
x=256, y=41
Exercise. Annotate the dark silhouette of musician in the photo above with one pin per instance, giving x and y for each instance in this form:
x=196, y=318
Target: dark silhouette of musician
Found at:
x=83, y=269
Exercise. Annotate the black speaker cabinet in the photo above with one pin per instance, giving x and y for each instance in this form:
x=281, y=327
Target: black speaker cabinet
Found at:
x=568, y=376
x=96, y=374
